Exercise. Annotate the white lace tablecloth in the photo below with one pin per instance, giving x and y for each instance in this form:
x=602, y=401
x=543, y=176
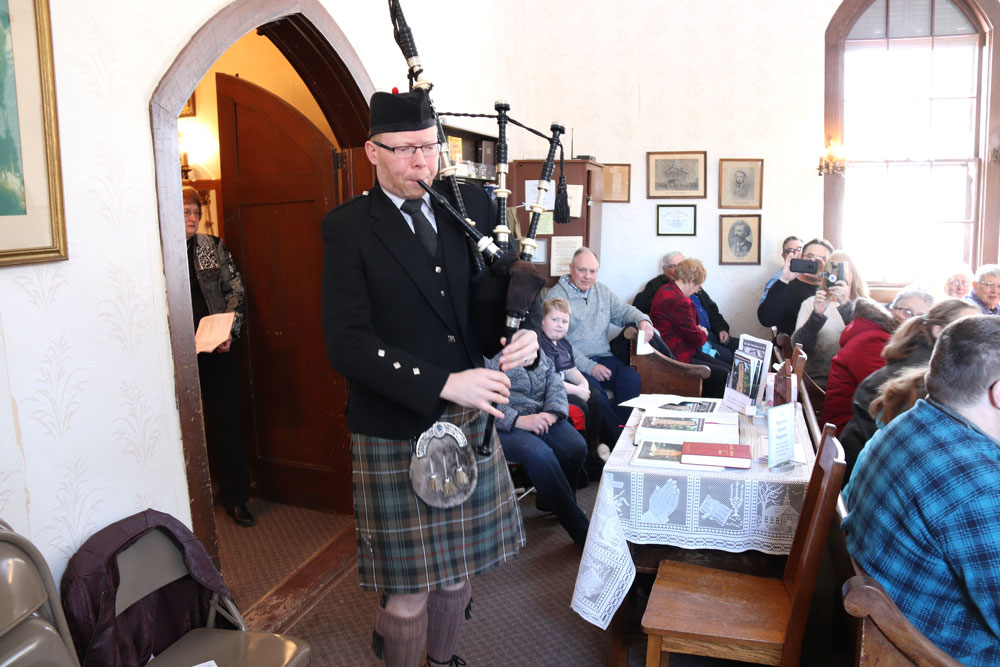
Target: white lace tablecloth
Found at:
x=732, y=510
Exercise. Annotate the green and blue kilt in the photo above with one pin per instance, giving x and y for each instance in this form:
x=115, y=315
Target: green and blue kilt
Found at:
x=407, y=546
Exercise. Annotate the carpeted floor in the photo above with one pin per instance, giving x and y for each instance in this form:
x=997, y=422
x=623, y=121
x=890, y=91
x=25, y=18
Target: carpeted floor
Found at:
x=521, y=612
x=256, y=559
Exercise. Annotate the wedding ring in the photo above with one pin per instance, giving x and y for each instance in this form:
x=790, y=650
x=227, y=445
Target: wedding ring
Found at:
x=527, y=360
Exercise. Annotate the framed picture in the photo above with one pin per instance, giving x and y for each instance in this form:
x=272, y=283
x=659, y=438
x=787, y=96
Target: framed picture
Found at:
x=32, y=226
x=739, y=239
x=676, y=220
x=617, y=183
x=741, y=183
x=188, y=109
x=676, y=175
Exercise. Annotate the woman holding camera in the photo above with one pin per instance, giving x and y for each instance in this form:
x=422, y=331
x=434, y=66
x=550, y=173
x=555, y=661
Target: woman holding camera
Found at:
x=822, y=317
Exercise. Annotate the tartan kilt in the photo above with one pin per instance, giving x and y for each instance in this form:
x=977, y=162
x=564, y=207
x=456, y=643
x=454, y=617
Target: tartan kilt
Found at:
x=407, y=546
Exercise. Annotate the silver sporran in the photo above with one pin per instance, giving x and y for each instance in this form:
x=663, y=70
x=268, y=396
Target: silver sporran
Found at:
x=443, y=467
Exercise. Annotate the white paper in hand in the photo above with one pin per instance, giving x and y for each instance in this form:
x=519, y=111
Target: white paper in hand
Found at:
x=213, y=331
x=641, y=346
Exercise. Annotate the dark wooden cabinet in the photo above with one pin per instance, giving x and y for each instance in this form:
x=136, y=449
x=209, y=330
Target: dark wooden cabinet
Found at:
x=588, y=225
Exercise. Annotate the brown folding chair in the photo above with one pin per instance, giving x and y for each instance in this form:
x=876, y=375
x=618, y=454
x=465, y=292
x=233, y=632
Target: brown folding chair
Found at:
x=704, y=611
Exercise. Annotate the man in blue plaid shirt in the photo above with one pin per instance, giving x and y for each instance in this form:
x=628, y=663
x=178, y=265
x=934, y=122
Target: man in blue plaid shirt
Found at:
x=924, y=498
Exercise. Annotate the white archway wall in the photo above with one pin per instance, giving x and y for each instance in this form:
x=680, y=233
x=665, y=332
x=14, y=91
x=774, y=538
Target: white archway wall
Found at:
x=89, y=427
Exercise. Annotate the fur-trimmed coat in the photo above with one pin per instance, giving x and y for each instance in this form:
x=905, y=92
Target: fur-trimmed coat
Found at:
x=860, y=355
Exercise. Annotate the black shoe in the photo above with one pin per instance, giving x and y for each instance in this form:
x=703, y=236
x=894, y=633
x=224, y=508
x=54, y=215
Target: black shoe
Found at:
x=241, y=515
x=454, y=662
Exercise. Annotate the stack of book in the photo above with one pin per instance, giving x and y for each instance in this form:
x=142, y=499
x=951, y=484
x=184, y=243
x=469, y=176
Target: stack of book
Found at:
x=747, y=380
x=669, y=438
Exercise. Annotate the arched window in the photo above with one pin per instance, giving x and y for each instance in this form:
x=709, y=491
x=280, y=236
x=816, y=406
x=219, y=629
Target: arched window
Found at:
x=907, y=97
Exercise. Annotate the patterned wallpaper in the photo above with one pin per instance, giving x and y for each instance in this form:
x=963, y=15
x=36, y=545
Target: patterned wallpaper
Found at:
x=89, y=429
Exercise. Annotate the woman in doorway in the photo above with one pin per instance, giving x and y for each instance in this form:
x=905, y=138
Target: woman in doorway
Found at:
x=216, y=287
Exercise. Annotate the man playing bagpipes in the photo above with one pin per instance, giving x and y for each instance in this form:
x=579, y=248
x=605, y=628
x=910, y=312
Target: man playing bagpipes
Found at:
x=432, y=496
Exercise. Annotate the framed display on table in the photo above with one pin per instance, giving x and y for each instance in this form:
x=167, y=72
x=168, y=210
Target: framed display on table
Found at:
x=739, y=239
x=741, y=183
x=676, y=220
x=617, y=183
x=676, y=175
x=32, y=225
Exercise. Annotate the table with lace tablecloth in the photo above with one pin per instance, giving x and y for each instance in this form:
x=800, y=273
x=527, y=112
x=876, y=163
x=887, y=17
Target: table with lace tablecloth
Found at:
x=733, y=510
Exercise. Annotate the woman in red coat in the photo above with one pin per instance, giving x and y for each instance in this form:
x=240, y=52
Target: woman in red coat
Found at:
x=675, y=318
x=861, y=346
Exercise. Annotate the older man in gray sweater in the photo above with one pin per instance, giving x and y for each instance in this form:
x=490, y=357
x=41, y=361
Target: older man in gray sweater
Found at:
x=595, y=308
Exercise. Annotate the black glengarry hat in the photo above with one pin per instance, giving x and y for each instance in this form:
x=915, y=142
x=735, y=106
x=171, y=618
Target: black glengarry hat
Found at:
x=400, y=112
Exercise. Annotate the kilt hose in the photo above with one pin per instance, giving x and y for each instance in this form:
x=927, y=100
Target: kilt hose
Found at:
x=407, y=546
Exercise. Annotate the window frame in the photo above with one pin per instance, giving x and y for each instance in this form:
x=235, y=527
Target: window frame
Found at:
x=986, y=216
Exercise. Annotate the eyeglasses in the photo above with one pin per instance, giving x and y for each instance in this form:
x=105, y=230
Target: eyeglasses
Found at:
x=409, y=151
x=904, y=311
x=818, y=258
x=988, y=284
x=191, y=210
x=791, y=251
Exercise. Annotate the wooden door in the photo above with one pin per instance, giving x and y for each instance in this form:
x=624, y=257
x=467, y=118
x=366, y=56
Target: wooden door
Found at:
x=278, y=181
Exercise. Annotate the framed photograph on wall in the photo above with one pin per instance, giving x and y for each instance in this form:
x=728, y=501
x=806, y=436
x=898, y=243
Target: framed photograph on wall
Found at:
x=617, y=183
x=676, y=175
x=739, y=239
x=32, y=225
x=741, y=183
x=189, y=108
x=676, y=220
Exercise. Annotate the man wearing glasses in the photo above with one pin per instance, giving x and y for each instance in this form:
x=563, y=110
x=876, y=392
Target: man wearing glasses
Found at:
x=986, y=289
x=792, y=246
x=397, y=320
x=781, y=306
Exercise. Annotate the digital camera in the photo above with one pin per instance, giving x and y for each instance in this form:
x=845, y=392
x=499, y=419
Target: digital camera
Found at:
x=804, y=266
x=836, y=275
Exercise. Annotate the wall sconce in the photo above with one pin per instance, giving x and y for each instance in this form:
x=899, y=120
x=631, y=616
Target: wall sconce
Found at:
x=833, y=162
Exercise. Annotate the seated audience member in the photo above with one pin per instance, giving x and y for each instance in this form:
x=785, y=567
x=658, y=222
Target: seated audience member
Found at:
x=924, y=498
x=818, y=326
x=861, y=347
x=708, y=312
x=780, y=307
x=595, y=309
x=675, y=318
x=790, y=246
x=535, y=433
x=555, y=323
x=959, y=282
x=898, y=395
x=911, y=345
x=986, y=289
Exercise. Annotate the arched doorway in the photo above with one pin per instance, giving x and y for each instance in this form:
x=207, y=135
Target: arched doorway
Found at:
x=309, y=38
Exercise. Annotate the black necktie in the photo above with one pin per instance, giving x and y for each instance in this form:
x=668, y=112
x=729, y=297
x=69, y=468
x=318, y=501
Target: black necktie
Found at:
x=421, y=225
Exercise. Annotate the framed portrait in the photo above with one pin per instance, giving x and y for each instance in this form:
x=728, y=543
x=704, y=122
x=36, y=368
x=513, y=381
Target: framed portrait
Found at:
x=741, y=183
x=617, y=183
x=739, y=239
x=188, y=109
x=676, y=175
x=32, y=225
x=676, y=220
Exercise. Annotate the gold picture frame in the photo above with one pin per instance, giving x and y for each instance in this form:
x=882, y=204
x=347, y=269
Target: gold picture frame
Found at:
x=32, y=228
x=677, y=175
x=741, y=183
x=617, y=183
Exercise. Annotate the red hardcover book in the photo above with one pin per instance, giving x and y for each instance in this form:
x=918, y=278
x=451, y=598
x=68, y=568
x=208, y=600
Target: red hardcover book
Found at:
x=716, y=454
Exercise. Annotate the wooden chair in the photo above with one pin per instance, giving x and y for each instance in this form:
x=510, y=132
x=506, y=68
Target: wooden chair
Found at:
x=722, y=614
x=817, y=395
x=662, y=375
x=783, y=346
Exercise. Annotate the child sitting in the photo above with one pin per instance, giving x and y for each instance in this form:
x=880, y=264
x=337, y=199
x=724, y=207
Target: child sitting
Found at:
x=555, y=324
x=535, y=433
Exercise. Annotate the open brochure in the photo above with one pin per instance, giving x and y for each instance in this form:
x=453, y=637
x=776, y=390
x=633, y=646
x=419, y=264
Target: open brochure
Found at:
x=739, y=393
x=213, y=331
